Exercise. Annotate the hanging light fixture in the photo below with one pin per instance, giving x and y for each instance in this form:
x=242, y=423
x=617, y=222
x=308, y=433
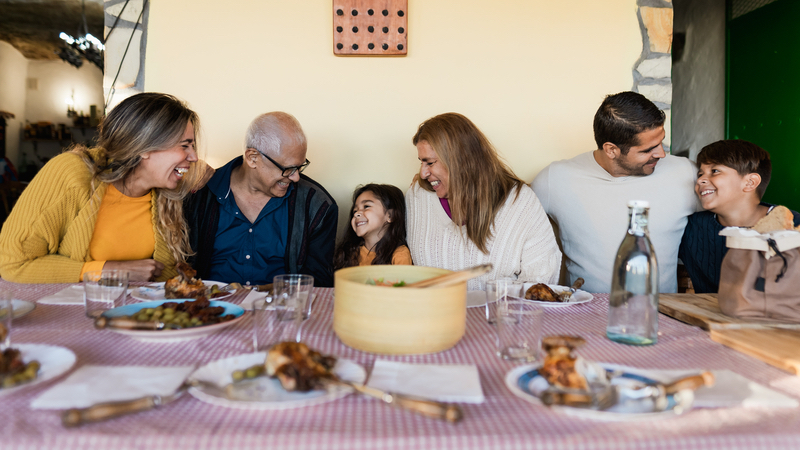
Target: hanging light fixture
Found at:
x=85, y=46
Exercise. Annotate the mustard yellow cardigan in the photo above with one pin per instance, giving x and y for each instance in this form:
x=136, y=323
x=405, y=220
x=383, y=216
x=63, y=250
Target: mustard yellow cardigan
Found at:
x=46, y=237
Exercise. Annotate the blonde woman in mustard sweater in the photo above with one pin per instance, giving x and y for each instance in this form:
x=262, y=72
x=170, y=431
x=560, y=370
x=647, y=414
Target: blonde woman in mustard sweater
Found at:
x=115, y=206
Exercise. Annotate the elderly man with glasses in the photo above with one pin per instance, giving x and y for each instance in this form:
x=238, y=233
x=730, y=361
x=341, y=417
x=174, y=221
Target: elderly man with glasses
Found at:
x=259, y=216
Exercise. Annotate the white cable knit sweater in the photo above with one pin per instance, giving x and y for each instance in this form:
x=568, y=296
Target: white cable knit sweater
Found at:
x=523, y=245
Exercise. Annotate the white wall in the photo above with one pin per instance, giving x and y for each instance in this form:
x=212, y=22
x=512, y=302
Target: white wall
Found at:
x=13, y=71
x=530, y=74
x=56, y=81
x=698, y=96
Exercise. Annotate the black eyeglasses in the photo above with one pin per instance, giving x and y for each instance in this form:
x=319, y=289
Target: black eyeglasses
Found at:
x=286, y=171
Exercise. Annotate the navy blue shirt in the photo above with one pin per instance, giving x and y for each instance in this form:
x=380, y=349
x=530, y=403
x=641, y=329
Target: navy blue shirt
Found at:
x=248, y=253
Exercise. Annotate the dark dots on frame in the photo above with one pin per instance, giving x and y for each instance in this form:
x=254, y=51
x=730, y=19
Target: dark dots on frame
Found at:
x=354, y=12
x=385, y=46
x=401, y=30
x=370, y=12
x=339, y=46
x=355, y=46
x=399, y=46
x=385, y=29
x=339, y=29
x=385, y=13
x=339, y=12
x=355, y=29
x=371, y=29
x=371, y=46
x=401, y=13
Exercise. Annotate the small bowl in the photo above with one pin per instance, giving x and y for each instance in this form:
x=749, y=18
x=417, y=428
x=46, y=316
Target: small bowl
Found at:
x=397, y=320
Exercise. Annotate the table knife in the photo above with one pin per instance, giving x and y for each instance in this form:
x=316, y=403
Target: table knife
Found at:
x=104, y=411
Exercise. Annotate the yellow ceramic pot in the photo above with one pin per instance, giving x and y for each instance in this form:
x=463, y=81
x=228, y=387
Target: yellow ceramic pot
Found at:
x=397, y=320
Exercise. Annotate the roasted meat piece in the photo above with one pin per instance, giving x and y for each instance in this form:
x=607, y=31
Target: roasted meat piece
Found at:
x=11, y=361
x=299, y=368
x=559, y=363
x=185, y=285
x=541, y=292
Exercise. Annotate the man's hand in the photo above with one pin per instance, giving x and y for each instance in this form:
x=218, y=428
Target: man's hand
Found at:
x=138, y=270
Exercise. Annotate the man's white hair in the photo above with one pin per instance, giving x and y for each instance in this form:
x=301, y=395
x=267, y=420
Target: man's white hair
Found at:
x=272, y=131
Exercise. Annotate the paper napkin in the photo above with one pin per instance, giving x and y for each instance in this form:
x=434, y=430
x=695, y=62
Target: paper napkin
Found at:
x=445, y=383
x=72, y=295
x=252, y=296
x=730, y=389
x=98, y=384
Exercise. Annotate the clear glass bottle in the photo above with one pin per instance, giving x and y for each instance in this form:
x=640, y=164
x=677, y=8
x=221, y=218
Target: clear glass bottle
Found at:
x=633, y=303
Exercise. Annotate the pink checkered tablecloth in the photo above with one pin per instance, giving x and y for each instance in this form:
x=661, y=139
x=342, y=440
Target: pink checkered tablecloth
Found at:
x=502, y=422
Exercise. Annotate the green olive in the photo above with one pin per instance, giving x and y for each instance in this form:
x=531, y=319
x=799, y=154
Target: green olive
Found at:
x=254, y=371
x=237, y=375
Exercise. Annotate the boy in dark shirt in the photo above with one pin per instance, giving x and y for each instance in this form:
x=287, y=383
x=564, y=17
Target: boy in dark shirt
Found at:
x=732, y=177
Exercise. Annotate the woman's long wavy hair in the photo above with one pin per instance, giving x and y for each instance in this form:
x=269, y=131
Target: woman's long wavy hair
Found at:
x=395, y=235
x=479, y=180
x=141, y=124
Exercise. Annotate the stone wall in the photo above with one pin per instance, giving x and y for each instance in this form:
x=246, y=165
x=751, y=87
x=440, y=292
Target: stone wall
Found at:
x=125, y=49
x=652, y=73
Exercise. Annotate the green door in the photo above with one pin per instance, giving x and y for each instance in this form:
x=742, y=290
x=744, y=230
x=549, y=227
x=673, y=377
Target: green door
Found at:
x=763, y=89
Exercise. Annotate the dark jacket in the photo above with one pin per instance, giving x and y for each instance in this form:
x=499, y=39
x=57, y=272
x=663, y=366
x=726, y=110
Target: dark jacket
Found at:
x=313, y=217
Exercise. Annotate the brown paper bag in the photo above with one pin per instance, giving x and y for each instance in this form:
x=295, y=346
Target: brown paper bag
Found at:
x=760, y=279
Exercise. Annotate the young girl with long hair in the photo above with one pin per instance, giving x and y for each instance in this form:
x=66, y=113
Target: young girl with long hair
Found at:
x=377, y=233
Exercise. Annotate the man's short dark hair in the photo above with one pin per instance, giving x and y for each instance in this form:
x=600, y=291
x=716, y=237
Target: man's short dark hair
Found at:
x=742, y=156
x=623, y=116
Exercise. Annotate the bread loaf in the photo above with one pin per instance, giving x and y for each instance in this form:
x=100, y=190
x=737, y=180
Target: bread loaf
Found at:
x=780, y=218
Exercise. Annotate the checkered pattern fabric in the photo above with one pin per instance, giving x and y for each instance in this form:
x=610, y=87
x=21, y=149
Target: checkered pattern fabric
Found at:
x=354, y=422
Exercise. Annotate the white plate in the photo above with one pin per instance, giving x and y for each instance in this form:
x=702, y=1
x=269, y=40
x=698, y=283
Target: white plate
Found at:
x=526, y=383
x=476, y=299
x=577, y=298
x=183, y=334
x=22, y=307
x=155, y=291
x=53, y=360
x=266, y=393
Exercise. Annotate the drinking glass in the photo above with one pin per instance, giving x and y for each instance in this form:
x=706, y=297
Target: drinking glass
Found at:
x=104, y=290
x=500, y=290
x=519, y=329
x=294, y=289
x=6, y=315
x=274, y=323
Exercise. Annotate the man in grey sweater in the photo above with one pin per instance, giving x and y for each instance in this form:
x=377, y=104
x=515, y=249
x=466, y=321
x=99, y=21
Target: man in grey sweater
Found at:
x=587, y=196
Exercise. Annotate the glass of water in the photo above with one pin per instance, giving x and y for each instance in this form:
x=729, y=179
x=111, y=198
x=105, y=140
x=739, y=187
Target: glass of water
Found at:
x=104, y=290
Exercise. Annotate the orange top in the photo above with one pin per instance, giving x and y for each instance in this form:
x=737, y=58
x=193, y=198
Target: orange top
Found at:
x=401, y=256
x=123, y=231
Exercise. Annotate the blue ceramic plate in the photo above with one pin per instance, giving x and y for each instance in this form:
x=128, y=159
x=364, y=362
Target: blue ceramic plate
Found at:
x=173, y=335
x=526, y=382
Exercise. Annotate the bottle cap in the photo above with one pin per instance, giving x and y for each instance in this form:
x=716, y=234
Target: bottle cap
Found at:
x=638, y=204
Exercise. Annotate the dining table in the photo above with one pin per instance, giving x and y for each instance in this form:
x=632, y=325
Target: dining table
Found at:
x=502, y=421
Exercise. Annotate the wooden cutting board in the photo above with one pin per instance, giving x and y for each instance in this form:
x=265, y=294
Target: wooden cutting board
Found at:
x=702, y=310
x=779, y=347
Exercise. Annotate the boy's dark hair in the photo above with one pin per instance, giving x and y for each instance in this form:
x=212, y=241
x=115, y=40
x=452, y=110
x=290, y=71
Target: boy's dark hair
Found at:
x=742, y=156
x=623, y=116
x=395, y=236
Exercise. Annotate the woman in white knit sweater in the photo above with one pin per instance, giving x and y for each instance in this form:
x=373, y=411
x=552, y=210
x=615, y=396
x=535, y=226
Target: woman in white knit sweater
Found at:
x=466, y=207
